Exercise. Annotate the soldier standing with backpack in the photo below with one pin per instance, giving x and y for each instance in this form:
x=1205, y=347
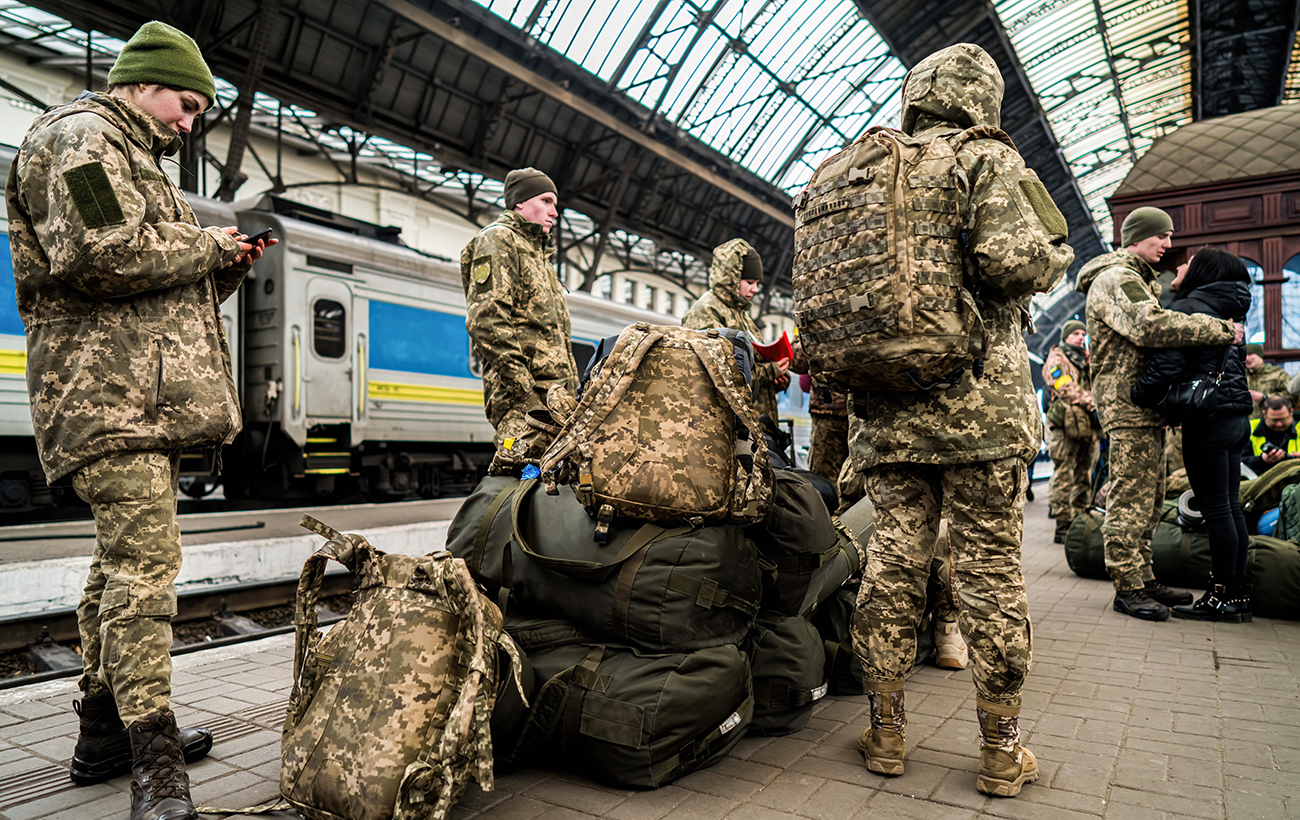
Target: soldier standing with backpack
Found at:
x=955, y=447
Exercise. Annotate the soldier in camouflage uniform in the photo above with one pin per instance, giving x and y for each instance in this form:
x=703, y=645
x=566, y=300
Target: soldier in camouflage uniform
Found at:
x=1071, y=440
x=1125, y=321
x=733, y=280
x=127, y=363
x=961, y=453
x=1264, y=379
x=518, y=322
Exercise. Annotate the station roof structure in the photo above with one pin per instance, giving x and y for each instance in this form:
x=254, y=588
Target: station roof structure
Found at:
x=683, y=123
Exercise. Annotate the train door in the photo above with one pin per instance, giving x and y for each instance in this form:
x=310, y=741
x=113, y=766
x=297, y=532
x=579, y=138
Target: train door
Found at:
x=327, y=359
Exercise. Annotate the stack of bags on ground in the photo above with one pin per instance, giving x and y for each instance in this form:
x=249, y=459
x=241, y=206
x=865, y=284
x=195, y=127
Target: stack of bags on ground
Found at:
x=666, y=601
x=1180, y=546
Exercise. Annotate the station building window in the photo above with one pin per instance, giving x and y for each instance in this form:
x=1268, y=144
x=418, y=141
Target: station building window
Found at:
x=649, y=297
x=628, y=294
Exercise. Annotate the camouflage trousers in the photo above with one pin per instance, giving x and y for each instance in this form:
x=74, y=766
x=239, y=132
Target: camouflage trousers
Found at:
x=830, y=446
x=1134, y=503
x=130, y=597
x=984, y=505
x=1071, y=485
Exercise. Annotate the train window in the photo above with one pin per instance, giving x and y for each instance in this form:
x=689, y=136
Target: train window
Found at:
x=475, y=366
x=329, y=329
x=582, y=353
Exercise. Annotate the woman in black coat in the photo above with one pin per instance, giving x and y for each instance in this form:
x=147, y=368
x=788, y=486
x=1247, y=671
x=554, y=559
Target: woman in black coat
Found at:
x=1215, y=283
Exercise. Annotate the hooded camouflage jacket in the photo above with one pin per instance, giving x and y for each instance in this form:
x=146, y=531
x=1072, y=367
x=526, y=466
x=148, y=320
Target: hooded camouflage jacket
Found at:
x=516, y=316
x=119, y=289
x=723, y=306
x=1125, y=320
x=1016, y=243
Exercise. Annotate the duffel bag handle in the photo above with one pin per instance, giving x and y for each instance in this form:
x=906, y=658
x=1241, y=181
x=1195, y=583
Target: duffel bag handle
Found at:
x=585, y=570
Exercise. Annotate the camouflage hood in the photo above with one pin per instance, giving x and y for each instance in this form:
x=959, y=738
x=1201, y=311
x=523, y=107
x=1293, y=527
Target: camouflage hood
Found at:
x=1121, y=258
x=146, y=130
x=724, y=273
x=959, y=85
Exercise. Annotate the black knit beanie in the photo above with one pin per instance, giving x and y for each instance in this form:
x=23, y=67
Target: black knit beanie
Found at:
x=751, y=266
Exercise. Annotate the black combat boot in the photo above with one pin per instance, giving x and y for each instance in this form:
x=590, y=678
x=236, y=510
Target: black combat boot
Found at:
x=1211, y=607
x=1062, y=528
x=104, y=746
x=1167, y=596
x=1139, y=604
x=1238, y=603
x=161, y=788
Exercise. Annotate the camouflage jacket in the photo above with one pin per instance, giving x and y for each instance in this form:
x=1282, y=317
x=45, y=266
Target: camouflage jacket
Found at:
x=723, y=306
x=1125, y=321
x=516, y=315
x=822, y=401
x=1270, y=380
x=119, y=289
x=1016, y=244
x=1073, y=390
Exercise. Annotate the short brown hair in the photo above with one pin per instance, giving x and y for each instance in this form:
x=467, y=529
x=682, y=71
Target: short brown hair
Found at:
x=1277, y=403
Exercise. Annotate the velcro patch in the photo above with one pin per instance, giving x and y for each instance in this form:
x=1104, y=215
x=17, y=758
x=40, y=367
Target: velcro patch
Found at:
x=1043, y=205
x=1136, y=292
x=481, y=270
x=93, y=195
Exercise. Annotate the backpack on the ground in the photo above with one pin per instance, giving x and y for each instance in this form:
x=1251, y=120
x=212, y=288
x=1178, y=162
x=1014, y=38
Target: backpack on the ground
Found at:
x=1265, y=492
x=787, y=660
x=666, y=431
x=1274, y=568
x=389, y=714
x=636, y=719
x=881, y=293
x=664, y=589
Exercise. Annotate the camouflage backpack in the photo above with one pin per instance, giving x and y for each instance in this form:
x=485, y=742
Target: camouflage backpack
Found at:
x=665, y=432
x=880, y=287
x=389, y=715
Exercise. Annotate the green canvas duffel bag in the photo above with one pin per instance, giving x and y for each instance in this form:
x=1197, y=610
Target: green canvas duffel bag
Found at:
x=389, y=713
x=1083, y=547
x=833, y=620
x=854, y=527
x=1179, y=557
x=636, y=719
x=662, y=589
x=787, y=659
x=1274, y=566
x=795, y=541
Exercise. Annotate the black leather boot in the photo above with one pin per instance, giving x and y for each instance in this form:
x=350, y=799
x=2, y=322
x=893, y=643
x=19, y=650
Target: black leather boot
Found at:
x=1237, y=608
x=1210, y=607
x=104, y=747
x=1167, y=596
x=1139, y=604
x=161, y=788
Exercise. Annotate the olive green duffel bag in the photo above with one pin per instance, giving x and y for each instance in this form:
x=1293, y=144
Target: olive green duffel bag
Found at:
x=663, y=589
x=1274, y=566
x=636, y=719
x=1179, y=557
x=834, y=619
x=795, y=540
x=788, y=660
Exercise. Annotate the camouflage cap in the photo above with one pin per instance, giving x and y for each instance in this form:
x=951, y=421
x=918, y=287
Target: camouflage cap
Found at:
x=960, y=84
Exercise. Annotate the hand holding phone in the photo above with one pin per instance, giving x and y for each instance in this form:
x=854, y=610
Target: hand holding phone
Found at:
x=255, y=238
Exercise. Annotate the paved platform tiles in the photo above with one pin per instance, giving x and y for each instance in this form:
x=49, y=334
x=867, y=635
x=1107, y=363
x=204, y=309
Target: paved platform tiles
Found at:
x=1131, y=720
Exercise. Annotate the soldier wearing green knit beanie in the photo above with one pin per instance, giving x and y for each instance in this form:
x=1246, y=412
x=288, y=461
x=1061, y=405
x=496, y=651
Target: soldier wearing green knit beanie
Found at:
x=159, y=54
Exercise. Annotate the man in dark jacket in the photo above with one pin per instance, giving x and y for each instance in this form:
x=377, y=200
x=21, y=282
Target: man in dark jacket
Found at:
x=127, y=364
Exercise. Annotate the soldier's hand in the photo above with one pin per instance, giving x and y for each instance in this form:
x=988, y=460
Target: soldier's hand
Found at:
x=1241, y=332
x=782, y=365
x=249, y=252
x=1255, y=395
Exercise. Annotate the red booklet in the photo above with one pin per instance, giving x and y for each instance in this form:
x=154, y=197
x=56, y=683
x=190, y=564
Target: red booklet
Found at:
x=778, y=350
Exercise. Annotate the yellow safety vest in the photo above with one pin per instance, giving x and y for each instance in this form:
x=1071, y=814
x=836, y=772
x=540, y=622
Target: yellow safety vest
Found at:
x=1257, y=439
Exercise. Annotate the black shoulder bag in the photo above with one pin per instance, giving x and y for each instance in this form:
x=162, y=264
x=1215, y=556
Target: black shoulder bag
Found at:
x=1193, y=397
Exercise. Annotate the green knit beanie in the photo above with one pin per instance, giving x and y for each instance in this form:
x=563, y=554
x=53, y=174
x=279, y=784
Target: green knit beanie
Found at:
x=1071, y=326
x=1256, y=349
x=522, y=184
x=160, y=54
x=1143, y=223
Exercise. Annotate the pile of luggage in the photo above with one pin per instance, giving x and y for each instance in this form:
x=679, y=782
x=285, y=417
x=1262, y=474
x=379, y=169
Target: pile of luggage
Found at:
x=667, y=601
x=1180, y=546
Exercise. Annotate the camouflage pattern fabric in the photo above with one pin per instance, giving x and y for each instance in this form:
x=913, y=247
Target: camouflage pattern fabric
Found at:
x=830, y=445
x=118, y=288
x=822, y=401
x=1070, y=488
x=1125, y=320
x=125, y=612
x=993, y=612
x=519, y=325
x=1270, y=380
x=1134, y=503
x=1015, y=240
x=1073, y=363
x=723, y=306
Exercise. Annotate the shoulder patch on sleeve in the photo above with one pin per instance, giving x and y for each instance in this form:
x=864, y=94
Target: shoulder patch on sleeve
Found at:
x=481, y=269
x=1136, y=292
x=93, y=194
x=1041, y=201
x=152, y=175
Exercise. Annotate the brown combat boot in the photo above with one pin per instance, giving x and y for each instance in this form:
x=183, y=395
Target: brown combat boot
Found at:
x=161, y=789
x=883, y=743
x=1005, y=765
x=104, y=746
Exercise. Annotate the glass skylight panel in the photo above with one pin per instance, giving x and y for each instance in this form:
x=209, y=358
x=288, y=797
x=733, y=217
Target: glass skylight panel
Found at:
x=1109, y=83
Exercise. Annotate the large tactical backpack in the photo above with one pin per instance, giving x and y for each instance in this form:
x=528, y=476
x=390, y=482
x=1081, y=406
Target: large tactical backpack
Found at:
x=389, y=715
x=881, y=294
x=637, y=719
x=663, y=589
x=666, y=431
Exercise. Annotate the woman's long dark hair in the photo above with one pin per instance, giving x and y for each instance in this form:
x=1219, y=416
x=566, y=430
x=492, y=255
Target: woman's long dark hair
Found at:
x=1211, y=265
